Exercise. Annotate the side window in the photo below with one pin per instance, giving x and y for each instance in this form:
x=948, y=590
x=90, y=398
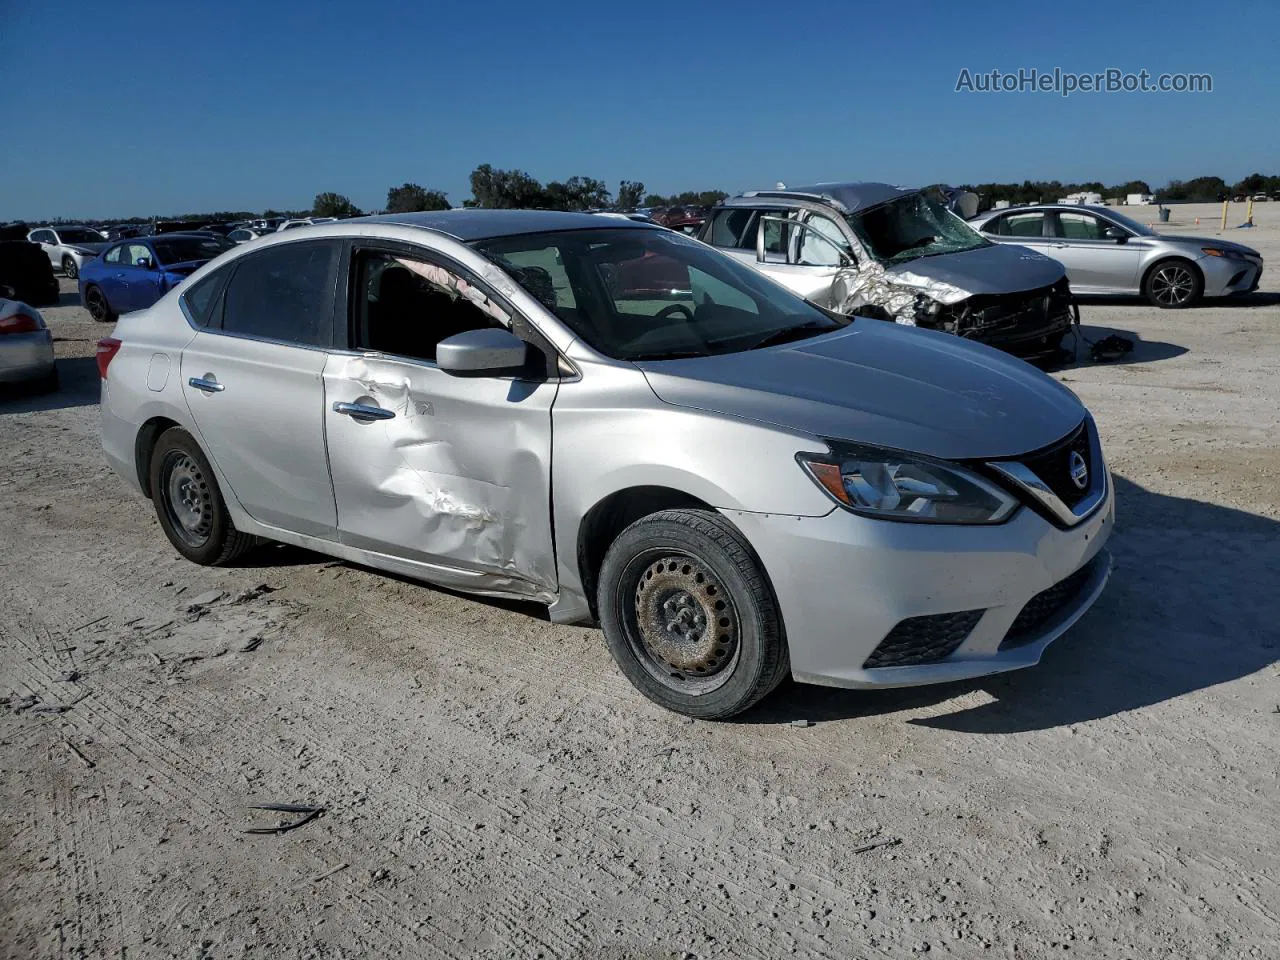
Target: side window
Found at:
x=114, y=255
x=405, y=306
x=1021, y=225
x=135, y=253
x=822, y=243
x=1079, y=226
x=729, y=226
x=204, y=300
x=42, y=236
x=284, y=293
x=777, y=235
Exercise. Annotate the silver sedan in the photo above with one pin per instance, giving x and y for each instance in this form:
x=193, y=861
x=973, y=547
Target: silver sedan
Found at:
x=26, y=345
x=1107, y=253
x=621, y=423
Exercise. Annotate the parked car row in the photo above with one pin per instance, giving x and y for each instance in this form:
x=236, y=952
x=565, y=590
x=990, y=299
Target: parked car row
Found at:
x=744, y=485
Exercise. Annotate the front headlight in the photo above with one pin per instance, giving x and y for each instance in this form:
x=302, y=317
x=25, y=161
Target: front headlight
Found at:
x=893, y=486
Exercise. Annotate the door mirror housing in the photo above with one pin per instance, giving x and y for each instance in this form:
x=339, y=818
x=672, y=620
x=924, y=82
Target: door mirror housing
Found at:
x=482, y=353
x=1116, y=234
x=145, y=263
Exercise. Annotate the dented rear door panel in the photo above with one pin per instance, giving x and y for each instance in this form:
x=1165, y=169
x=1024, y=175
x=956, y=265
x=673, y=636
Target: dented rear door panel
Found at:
x=458, y=478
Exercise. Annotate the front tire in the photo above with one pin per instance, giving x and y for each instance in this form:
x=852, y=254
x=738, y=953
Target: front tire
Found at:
x=95, y=302
x=1173, y=284
x=69, y=268
x=689, y=615
x=189, y=504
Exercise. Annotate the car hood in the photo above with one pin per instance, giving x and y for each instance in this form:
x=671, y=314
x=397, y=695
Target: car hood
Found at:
x=1199, y=242
x=996, y=268
x=882, y=384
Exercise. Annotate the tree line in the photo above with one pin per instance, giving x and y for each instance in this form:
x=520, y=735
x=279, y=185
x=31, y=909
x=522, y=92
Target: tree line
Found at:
x=1201, y=189
x=515, y=189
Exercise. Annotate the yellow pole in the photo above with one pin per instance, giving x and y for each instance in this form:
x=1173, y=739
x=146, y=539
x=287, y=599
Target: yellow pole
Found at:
x=1224, y=213
x=1249, y=217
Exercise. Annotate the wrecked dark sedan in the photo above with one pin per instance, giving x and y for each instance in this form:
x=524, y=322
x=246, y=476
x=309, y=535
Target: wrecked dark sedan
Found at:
x=898, y=254
x=617, y=421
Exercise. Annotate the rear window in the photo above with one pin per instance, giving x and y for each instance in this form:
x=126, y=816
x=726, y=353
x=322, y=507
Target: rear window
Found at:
x=284, y=293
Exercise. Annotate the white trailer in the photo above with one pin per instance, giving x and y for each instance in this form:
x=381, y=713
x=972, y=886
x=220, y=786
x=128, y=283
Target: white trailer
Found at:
x=1139, y=200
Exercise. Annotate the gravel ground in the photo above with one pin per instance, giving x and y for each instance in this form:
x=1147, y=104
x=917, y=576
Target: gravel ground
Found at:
x=492, y=786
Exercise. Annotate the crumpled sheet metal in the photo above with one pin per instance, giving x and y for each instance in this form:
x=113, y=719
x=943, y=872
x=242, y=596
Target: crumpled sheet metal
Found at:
x=896, y=294
x=440, y=488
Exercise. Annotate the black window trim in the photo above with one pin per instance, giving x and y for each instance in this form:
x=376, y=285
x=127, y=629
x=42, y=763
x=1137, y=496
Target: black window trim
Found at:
x=215, y=326
x=344, y=319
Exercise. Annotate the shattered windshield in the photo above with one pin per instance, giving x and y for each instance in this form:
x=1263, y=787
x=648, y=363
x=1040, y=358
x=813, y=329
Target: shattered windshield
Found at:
x=913, y=226
x=648, y=294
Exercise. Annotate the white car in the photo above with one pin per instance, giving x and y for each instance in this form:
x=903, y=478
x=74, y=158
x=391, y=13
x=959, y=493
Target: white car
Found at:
x=741, y=486
x=68, y=248
x=304, y=222
x=26, y=345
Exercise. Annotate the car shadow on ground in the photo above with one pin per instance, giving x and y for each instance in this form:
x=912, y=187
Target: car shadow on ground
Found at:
x=1192, y=603
x=1078, y=345
x=78, y=387
x=68, y=298
x=1259, y=298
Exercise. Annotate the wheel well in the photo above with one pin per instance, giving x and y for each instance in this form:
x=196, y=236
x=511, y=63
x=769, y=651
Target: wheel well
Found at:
x=1162, y=261
x=608, y=518
x=143, y=446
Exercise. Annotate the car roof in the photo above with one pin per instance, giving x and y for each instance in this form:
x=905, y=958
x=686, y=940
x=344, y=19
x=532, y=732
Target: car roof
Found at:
x=468, y=225
x=849, y=196
x=1033, y=207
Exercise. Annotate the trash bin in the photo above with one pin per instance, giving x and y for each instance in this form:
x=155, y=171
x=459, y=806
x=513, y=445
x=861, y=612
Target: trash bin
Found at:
x=1164, y=215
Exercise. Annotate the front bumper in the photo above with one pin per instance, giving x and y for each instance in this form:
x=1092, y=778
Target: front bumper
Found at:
x=1225, y=276
x=845, y=582
x=26, y=356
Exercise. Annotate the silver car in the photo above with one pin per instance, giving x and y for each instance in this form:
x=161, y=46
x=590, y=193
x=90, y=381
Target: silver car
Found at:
x=619, y=422
x=900, y=254
x=26, y=345
x=1107, y=253
x=68, y=247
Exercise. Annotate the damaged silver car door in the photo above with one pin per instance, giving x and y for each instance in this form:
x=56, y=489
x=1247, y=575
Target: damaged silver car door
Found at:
x=804, y=257
x=447, y=469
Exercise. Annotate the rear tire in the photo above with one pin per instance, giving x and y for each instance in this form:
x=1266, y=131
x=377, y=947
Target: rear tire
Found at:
x=1173, y=284
x=189, y=504
x=69, y=268
x=95, y=302
x=689, y=615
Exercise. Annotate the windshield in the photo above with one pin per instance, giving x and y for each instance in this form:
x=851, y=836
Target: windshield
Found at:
x=1140, y=229
x=913, y=226
x=79, y=236
x=182, y=249
x=645, y=294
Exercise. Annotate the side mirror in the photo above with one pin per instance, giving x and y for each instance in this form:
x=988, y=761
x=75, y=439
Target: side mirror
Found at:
x=7, y=292
x=489, y=352
x=1116, y=234
x=146, y=263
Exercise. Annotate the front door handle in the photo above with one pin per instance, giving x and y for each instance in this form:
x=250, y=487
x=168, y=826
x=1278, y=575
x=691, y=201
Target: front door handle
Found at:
x=363, y=411
x=207, y=385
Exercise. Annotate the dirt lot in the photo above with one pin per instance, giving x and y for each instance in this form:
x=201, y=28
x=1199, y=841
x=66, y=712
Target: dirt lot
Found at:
x=493, y=787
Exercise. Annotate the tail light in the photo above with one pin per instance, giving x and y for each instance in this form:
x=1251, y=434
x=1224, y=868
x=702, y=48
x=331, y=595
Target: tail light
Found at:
x=19, y=323
x=107, y=349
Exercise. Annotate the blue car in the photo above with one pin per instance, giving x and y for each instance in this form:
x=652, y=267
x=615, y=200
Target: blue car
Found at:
x=135, y=273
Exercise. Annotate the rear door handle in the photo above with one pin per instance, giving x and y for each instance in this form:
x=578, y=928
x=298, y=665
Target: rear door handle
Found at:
x=363, y=411
x=208, y=386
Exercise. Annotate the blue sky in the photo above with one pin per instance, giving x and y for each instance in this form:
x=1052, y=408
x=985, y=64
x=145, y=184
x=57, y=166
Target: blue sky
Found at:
x=162, y=108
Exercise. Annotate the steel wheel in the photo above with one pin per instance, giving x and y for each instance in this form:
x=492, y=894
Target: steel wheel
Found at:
x=69, y=268
x=683, y=626
x=187, y=498
x=1173, y=285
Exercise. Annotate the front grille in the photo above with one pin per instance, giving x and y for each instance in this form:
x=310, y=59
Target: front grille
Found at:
x=1031, y=311
x=1053, y=465
x=1041, y=608
x=923, y=639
